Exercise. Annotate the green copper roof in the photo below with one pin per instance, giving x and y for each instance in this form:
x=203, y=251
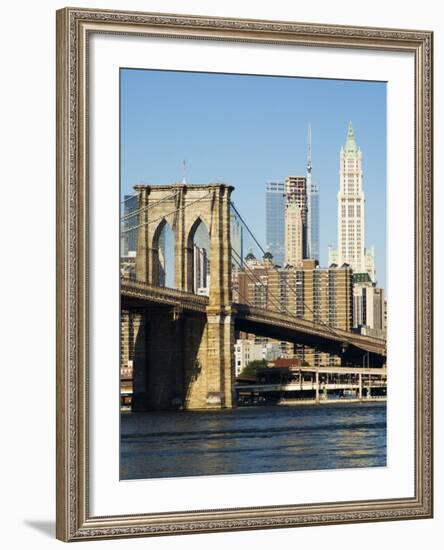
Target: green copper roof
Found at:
x=361, y=278
x=350, y=144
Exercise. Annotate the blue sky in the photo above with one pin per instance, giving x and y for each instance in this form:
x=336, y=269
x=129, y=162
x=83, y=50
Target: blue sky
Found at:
x=246, y=130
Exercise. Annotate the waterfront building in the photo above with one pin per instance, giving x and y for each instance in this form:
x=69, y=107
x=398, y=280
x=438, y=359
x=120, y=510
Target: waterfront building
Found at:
x=285, y=363
x=245, y=351
x=274, y=219
x=271, y=350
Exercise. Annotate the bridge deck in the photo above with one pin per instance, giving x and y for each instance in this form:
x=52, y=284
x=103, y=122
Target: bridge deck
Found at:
x=272, y=324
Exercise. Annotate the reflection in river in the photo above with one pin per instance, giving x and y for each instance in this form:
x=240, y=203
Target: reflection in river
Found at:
x=252, y=440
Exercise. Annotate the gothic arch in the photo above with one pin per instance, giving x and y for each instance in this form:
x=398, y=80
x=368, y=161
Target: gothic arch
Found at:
x=157, y=232
x=185, y=208
x=163, y=260
x=194, y=227
x=198, y=256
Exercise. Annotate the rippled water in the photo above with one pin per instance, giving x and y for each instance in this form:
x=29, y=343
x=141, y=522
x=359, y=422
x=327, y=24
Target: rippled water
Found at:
x=252, y=440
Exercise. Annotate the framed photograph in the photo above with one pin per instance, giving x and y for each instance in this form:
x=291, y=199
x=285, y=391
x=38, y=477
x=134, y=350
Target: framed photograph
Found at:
x=244, y=274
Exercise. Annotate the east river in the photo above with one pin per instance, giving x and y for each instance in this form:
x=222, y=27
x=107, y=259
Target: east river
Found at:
x=252, y=440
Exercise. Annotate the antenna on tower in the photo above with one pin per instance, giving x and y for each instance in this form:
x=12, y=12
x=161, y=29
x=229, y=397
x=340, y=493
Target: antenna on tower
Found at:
x=309, y=165
x=184, y=172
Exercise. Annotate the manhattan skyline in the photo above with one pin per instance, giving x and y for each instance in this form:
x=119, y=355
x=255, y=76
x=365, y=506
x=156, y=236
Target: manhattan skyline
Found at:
x=245, y=130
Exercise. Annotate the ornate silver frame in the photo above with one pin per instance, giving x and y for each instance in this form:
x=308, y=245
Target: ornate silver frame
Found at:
x=74, y=521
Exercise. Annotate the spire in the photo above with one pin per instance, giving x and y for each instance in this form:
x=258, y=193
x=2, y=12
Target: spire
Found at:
x=350, y=144
x=309, y=165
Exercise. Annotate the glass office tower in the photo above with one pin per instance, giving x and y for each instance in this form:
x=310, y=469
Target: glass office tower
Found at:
x=275, y=220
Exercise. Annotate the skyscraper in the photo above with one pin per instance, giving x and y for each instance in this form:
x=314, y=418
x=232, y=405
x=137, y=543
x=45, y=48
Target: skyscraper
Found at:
x=351, y=202
x=294, y=241
x=296, y=196
x=312, y=248
x=296, y=193
x=274, y=219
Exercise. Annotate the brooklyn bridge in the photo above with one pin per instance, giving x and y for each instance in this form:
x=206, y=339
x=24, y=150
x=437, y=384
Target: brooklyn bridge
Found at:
x=181, y=344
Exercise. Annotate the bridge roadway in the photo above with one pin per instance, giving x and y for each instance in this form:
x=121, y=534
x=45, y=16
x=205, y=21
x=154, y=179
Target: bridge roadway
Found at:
x=270, y=324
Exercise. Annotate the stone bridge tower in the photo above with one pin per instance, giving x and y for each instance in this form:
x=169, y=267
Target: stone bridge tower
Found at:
x=188, y=359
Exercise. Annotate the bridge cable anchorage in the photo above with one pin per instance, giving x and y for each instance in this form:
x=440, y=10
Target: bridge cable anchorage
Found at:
x=275, y=300
x=165, y=215
x=328, y=326
x=147, y=207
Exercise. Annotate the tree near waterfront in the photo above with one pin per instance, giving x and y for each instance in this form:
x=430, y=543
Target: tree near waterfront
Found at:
x=253, y=366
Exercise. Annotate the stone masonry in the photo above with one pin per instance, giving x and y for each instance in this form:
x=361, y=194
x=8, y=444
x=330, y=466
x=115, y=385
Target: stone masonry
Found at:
x=183, y=360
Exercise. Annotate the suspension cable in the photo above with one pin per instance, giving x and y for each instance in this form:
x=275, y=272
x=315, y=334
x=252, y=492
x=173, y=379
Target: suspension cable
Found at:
x=314, y=322
x=319, y=322
x=129, y=198
x=240, y=294
x=328, y=326
x=246, y=301
x=247, y=228
x=275, y=300
x=147, y=207
x=167, y=214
